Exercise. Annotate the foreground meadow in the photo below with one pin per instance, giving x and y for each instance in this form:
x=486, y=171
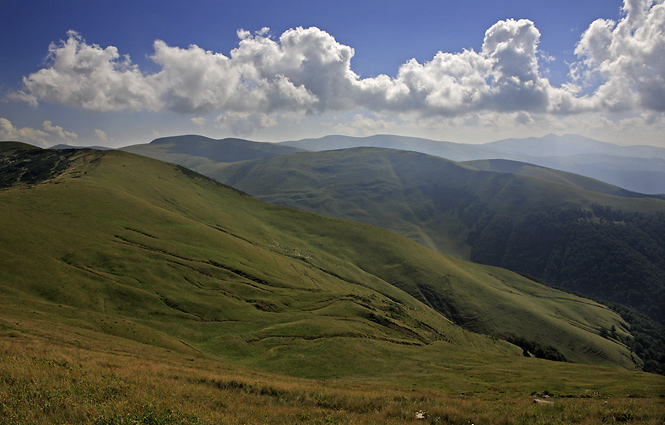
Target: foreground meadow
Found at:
x=51, y=373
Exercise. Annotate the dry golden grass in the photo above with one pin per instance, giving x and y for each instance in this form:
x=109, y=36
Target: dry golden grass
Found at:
x=53, y=374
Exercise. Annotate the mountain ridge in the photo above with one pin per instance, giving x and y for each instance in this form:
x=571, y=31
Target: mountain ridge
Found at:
x=622, y=166
x=639, y=169
x=195, y=151
x=572, y=144
x=554, y=175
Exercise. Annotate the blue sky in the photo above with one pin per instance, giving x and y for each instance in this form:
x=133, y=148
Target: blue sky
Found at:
x=123, y=72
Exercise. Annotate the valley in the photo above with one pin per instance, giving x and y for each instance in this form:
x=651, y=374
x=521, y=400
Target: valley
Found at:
x=543, y=227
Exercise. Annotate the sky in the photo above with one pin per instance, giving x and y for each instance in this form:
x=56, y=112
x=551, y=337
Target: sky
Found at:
x=96, y=73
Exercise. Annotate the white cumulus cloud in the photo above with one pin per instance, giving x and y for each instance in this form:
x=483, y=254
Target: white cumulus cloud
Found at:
x=628, y=56
x=49, y=134
x=58, y=132
x=90, y=77
x=245, y=123
x=306, y=70
x=621, y=67
x=200, y=121
x=101, y=135
x=25, y=134
x=362, y=125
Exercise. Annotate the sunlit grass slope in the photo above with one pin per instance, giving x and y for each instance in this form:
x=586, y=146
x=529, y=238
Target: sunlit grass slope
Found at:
x=148, y=251
x=56, y=373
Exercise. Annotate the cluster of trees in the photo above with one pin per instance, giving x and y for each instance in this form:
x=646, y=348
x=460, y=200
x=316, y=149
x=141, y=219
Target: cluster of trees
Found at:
x=648, y=341
x=530, y=348
x=604, y=253
x=612, y=256
x=31, y=166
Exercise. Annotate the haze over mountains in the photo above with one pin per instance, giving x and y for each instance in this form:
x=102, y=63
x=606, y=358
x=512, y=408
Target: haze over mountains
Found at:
x=637, y=168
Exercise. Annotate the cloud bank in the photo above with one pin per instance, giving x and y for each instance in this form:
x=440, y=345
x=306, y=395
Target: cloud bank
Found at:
x=620, y=67
x=48, y=134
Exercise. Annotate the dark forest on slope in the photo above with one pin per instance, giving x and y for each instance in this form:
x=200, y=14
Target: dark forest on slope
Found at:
x=605, y=253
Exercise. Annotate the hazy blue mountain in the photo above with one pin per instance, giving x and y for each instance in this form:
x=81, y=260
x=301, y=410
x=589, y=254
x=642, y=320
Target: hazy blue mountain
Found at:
x=448, y=150
x=196, y=152
x=63, y=146
x=571, y=145
x=551, y=174
x=645, y=175
x=546, y=146
x=635, y=168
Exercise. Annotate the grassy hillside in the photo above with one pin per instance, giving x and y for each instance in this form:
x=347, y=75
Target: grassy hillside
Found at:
x=156, y=253
x=59, y=374
x=134, y=291
x=612, y=247
x=556, y=176
x=11, y=146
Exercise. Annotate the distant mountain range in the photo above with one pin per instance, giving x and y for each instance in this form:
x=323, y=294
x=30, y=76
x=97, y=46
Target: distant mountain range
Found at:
x=636, y=168
x=571, y=145
x=61, y=146
x=198, y=152
x=546, y=146
x=553, y=175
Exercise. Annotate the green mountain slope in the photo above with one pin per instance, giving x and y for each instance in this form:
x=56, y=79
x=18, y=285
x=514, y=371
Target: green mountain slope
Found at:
x=149, y=251
x=11, y=146
x=550, y=174
x=602, y=245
